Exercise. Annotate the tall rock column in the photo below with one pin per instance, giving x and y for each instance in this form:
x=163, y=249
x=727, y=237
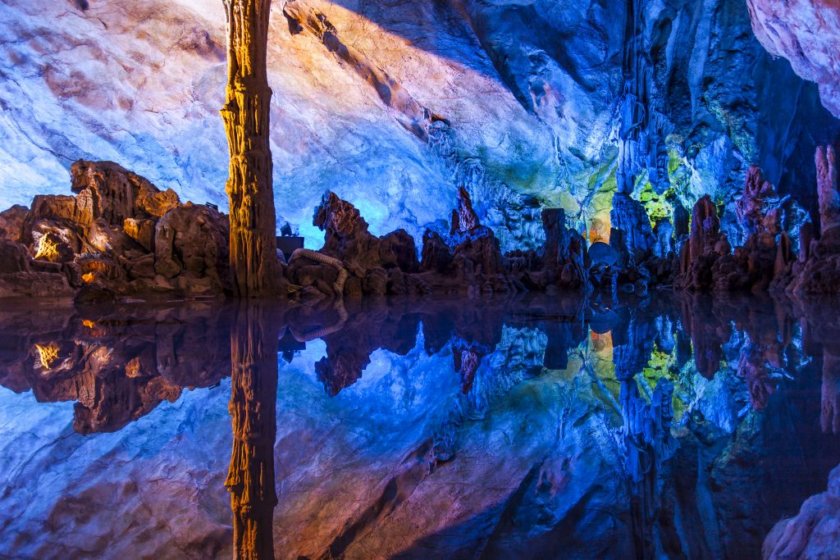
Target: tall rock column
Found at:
x=254, y=264
x=828, y=183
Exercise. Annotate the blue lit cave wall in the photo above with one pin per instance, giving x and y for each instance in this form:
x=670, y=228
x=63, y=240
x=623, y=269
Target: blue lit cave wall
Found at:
x=393, y=105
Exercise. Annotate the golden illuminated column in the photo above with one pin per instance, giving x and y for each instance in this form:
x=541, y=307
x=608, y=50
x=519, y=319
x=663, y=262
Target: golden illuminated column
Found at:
x=246, y=116
x=253, y=397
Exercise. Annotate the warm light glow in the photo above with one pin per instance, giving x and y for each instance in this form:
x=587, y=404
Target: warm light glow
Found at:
x=47, y=249
x=87, y=322
x=47, y=354
x=88, y=277
x=134, y=368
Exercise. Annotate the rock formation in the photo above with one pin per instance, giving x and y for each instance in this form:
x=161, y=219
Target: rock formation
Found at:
x=813, y=532
x=828, y=187
x=817, y=271
x=704, y=246
x=118, y=236
x=806, y=33
x=246, y=114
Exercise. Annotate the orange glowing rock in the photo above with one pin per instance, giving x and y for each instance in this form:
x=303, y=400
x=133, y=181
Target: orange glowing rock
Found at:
x=87, y=278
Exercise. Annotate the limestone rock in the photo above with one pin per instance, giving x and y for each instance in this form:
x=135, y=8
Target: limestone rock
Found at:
x=814, y=532
x=43, y=285
x=635, y=240
x=193, y=240
x=142, y=231
x=13, y=258
x=437, y=256
x=807, y=33
x=11, y=223
x=117, y=193
x=703, y=248
x=78, y=210
x=828, y=187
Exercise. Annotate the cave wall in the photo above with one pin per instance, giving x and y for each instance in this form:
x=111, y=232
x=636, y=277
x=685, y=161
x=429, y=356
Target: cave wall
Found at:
x=393, y=105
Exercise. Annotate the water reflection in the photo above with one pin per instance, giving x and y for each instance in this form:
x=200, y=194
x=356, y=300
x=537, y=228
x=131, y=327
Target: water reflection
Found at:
x=525, y=428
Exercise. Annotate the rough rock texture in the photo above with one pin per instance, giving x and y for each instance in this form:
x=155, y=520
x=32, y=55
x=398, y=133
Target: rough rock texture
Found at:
x=192, y=242
x=704, y=246
x=117, y=194
x=118, y=236
x=246, y=114
x=817, y=270
x=814, y=532
x=806, y=33
x=828, y=187
x=11, y=223
x=394, y=107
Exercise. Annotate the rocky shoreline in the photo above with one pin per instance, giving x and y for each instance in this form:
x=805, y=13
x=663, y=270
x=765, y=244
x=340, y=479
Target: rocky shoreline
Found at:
x=119, y=237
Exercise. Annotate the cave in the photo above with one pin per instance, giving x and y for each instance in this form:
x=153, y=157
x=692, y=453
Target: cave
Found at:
x=322, y=279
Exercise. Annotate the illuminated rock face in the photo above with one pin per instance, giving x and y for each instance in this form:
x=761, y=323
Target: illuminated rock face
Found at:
x=807, y=33
x=394, y=107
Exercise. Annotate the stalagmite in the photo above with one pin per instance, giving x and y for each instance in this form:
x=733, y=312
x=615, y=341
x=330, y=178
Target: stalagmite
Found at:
x=256, y=270
x=827, y=187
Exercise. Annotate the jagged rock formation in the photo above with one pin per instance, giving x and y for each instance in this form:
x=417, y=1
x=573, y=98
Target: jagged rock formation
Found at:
x=703, y=247
x=118, y=236
x=813, y=532
x=828, y=187
x=767, y=258
x=397, y=106
x=806, y=33
x=817, y=271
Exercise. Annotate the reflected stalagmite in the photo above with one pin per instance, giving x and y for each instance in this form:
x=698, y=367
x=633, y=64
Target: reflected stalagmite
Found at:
x=253, y=345
x=246, y=116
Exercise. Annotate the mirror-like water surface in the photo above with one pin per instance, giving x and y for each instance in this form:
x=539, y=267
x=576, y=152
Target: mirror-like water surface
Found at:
x=534, y=428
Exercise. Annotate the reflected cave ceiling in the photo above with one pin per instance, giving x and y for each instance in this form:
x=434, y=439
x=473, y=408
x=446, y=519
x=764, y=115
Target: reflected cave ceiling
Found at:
x=393, y=104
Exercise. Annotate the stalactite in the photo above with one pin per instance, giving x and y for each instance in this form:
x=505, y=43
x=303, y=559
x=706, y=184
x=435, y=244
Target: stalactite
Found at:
x=253, y=258
x=640, y=136
x=253, y=396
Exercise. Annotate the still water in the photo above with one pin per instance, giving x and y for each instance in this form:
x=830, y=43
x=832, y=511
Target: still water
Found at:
x=530, y=428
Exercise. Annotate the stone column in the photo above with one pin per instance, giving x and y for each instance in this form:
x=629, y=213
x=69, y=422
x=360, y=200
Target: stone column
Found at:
x=253, y=257
x=827, y=187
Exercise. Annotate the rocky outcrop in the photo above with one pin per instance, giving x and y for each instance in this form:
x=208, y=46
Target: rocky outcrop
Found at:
x=191, y=246
x=11, y=223
x=564, y=255
x=814, y=532
x=817, y=270
x=110, y=192
x=806, y=33
x=118, y=236
x=705, y=245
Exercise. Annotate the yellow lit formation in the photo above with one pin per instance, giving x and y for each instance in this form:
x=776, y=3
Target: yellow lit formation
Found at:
x=47, y=249
x=47, y=354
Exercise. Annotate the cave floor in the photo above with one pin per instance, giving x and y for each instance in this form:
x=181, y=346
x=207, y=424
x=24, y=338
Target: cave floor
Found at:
x=540, y=427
